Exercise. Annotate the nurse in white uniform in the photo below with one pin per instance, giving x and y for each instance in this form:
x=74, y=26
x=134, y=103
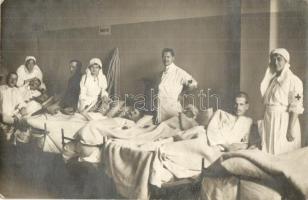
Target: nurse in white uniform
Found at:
x=93, y=85
x=282, y=93
x=172, y=81
x=28, y=72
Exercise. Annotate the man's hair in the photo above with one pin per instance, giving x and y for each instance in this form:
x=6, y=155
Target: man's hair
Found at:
x=9, y=75
x=242, y=95
x=168, y=50
x=79, y=64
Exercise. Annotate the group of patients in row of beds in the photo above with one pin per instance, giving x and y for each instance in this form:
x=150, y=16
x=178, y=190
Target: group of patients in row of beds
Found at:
x=282, y=93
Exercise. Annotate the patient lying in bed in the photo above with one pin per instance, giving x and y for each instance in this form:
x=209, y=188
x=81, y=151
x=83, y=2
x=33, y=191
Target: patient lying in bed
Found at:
x=69, y=123
x=131, y=126
x=226, y=132
x=167, y=161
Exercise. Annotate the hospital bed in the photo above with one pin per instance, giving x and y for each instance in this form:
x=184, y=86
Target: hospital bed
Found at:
x=179, y=188
x=257, y=175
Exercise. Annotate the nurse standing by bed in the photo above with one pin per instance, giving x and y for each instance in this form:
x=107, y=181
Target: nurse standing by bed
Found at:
x=93, y=85
x=282, y=94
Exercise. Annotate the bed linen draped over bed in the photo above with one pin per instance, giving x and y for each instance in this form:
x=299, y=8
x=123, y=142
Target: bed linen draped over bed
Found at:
x=288, y=169
x=130, y=165
x=54, y=123
x=136, y=164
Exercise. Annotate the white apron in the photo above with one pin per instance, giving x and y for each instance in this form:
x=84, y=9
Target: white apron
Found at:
x=284, y=94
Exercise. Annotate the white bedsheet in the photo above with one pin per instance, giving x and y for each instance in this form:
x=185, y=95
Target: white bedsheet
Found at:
x=54, y=123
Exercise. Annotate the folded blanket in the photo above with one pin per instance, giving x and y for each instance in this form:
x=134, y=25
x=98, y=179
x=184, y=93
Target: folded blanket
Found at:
x=289, y=169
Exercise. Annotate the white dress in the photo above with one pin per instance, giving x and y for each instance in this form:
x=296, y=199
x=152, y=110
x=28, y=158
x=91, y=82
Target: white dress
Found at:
x=284, y=94
x=24, y=74
x=170, y=87
x=90, y=89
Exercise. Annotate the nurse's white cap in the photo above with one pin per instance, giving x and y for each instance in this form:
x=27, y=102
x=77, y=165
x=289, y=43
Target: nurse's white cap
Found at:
x=30, y=58
x=96, y=61
x=283, y=52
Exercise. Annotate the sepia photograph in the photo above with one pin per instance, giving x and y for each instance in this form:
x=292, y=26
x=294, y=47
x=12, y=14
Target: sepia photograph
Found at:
x=154, y=99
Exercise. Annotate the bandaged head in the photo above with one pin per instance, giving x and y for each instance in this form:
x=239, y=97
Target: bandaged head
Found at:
x=283, y=52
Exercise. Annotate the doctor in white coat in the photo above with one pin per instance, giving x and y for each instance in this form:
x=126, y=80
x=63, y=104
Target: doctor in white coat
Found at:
x=172, y=81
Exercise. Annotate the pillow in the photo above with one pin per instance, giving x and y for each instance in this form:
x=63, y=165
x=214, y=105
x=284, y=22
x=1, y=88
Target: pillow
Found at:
x=145, y=120
x=205, y=116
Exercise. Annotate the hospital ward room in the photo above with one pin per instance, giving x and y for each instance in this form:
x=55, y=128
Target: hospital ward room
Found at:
x=154, y=99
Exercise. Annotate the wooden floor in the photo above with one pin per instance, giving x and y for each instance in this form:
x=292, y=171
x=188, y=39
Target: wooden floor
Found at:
x=25, y=172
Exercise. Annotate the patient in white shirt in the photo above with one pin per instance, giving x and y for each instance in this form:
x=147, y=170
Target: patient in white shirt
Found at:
x=231, y=131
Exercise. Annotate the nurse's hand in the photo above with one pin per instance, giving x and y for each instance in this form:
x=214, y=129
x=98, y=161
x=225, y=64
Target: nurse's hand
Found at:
x=290, y=135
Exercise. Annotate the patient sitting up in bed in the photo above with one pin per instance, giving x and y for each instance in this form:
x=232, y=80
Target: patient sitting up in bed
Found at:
x=31, y=93
x=228, y=131
x=225, y=132
x=10, y=99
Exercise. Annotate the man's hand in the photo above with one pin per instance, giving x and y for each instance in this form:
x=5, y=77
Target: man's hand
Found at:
x=192, y=84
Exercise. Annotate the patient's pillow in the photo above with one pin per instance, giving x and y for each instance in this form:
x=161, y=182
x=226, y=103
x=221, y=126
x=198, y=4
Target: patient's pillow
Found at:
x=146, y=120
x=205, y=116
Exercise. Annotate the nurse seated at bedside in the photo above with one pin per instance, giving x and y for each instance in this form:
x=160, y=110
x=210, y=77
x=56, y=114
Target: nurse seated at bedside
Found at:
x=93, y=86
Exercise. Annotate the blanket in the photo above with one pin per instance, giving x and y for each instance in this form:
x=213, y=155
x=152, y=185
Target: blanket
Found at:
x=136, y=164
x=129, y=165
x=97, y=132
x=288, y=169
x=174, y=157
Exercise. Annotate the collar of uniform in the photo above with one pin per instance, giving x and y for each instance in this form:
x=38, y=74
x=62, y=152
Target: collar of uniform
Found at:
x=283, y=75
x=169, y=67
